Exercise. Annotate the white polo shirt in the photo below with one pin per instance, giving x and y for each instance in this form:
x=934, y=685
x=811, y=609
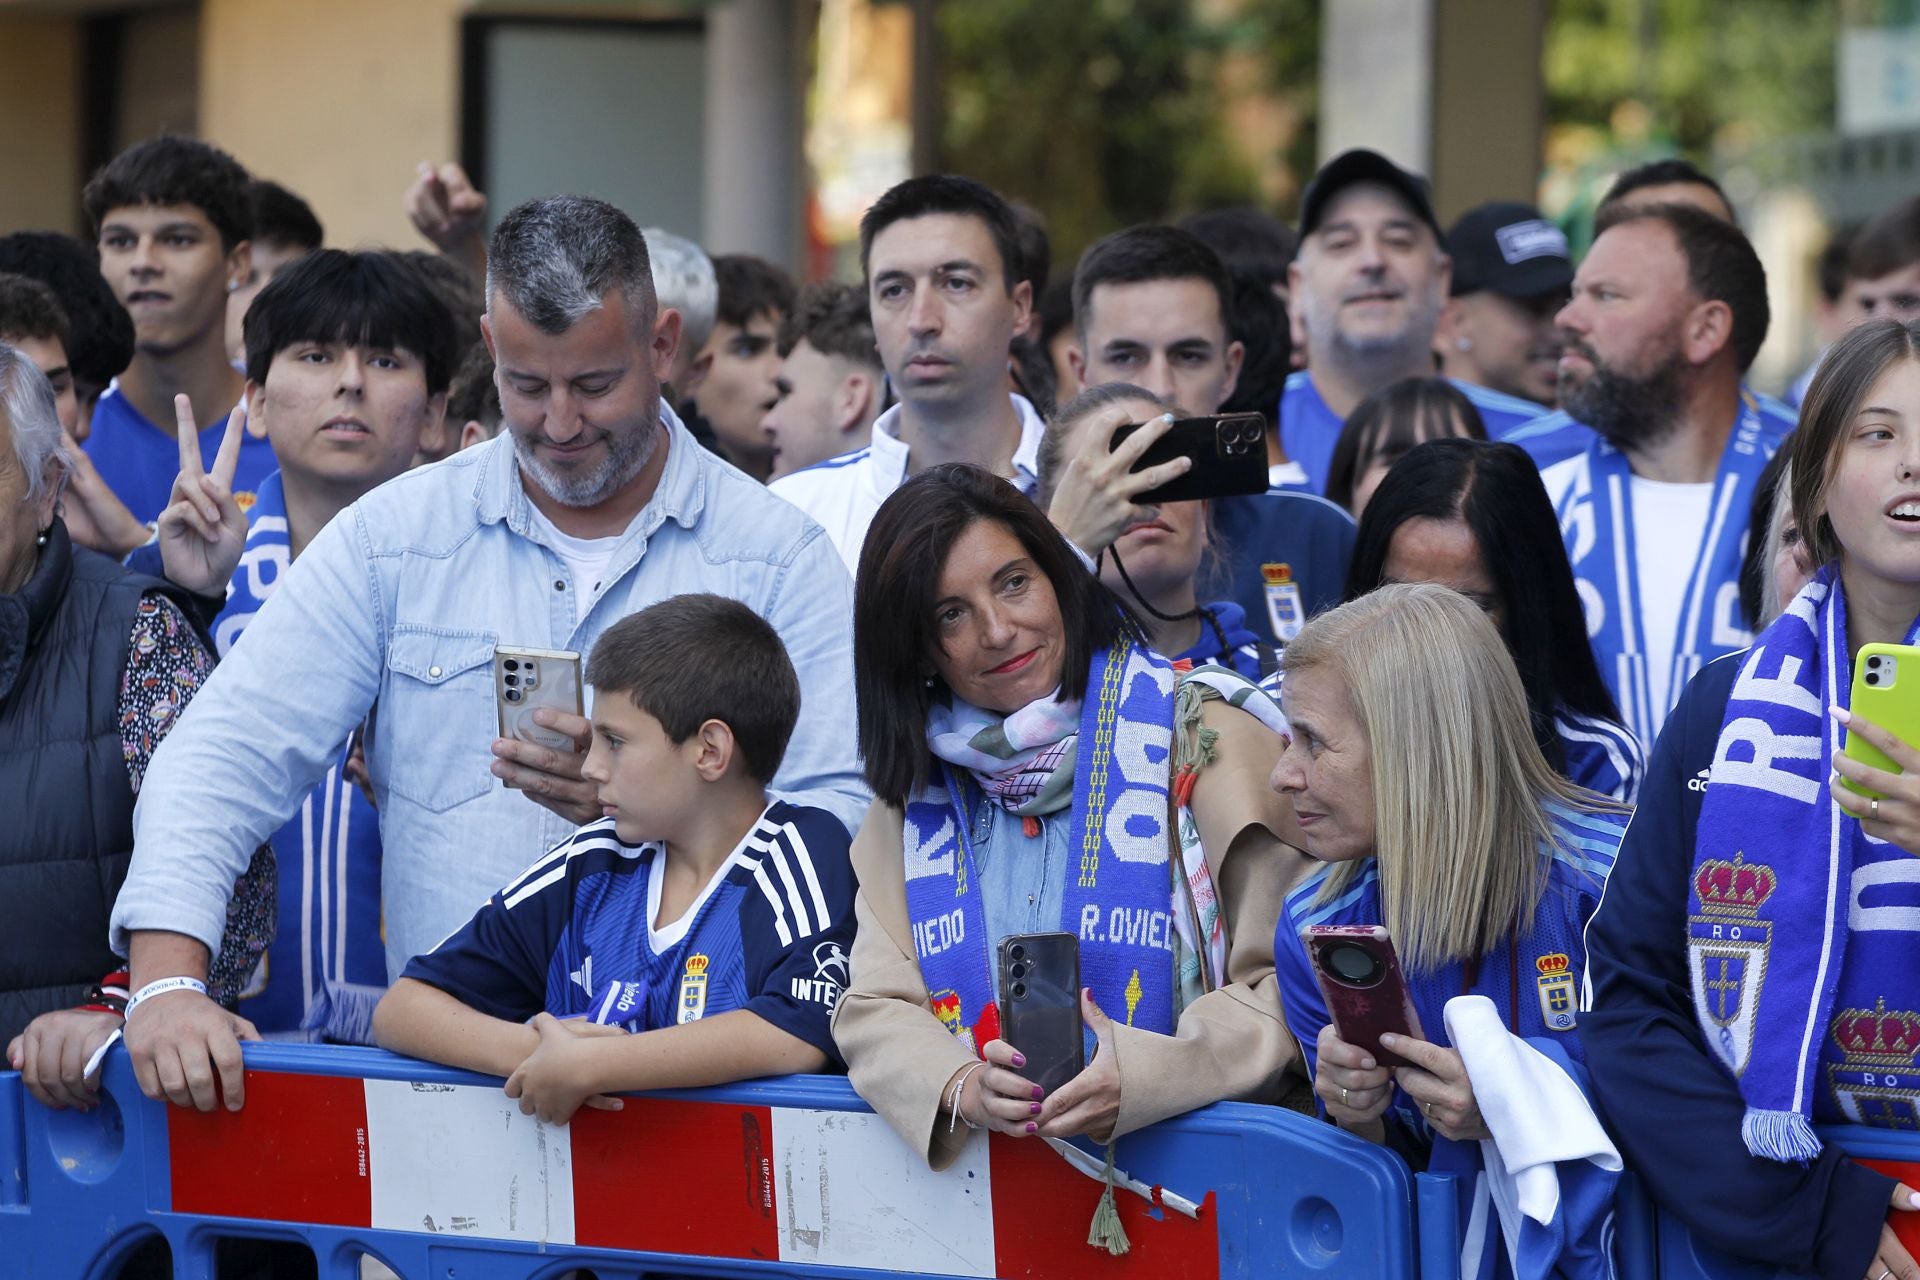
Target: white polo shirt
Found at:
x=842, y=494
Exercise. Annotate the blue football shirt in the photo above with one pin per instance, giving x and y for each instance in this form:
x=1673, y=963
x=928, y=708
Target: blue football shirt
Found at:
x=770, y=934
x=139, y=460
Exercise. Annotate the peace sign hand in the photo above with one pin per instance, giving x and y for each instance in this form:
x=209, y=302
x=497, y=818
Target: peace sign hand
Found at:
x=202, y=532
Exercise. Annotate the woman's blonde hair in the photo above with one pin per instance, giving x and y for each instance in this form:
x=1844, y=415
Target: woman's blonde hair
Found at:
x=1460, y=789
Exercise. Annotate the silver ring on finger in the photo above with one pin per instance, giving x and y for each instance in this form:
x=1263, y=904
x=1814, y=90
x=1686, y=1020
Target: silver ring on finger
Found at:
x=1873, y=815
x=1343, y=1095
x=1886, y=1273
x=1427, y=1107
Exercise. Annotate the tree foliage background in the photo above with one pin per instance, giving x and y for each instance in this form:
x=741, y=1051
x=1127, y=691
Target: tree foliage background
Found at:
x=1102, y=113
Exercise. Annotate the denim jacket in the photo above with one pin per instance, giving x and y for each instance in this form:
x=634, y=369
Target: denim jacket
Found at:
x=391, y=616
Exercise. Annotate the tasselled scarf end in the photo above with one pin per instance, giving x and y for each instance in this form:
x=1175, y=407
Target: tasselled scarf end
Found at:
x=1786, y=1136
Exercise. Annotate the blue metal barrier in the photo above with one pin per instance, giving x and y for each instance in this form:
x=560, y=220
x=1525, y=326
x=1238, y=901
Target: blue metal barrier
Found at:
x=434, y=1173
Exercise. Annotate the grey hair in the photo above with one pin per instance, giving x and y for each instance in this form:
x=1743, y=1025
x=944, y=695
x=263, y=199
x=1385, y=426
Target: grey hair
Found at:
x=683, y=279
x=33, y=418
x=555, y=259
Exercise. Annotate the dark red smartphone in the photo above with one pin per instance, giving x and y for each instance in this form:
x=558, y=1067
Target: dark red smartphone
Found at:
x=1040, y=1005
x=1359, y=974
x=1229, y=452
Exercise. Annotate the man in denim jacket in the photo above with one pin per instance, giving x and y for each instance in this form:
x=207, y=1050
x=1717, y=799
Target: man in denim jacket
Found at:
x=593, y=504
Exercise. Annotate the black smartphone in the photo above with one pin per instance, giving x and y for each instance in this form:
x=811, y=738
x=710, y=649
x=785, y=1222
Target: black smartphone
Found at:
x=1229, y=452
x=1040, y=1005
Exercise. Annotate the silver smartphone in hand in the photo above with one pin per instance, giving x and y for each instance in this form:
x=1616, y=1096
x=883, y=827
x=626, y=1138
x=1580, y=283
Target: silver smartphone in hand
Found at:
x=524, y=679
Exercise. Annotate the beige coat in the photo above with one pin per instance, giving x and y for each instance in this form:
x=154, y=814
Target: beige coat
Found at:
x=1230, y=1043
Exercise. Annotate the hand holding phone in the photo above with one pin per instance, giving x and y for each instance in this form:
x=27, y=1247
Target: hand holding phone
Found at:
x=1040, y=1005
x=1095, y=497
x=1227, y=453
x=525, y=679
x=1366, y=993
x=1886, y=692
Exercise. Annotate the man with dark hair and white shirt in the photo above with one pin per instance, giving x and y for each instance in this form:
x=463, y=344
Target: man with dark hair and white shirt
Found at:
x=942, y=261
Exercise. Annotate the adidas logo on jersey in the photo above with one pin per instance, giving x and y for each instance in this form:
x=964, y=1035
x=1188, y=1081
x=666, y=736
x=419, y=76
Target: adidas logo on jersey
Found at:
x=1698, y=782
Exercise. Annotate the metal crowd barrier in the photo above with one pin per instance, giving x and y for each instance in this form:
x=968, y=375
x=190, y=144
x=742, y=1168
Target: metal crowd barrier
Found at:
x=434, y=1173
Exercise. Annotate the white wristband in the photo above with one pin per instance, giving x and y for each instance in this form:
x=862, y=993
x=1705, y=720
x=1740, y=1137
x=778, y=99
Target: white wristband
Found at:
x=160, y=987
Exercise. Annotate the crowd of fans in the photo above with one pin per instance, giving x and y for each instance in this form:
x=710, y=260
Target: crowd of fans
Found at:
x=1536, y=654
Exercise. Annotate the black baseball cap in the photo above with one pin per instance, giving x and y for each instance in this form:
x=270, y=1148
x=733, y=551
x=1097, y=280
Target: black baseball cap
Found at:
x=1362, y=165
x=1508, y=248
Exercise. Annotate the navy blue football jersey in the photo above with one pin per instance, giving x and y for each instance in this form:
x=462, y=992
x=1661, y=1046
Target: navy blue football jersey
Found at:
x=571, y=935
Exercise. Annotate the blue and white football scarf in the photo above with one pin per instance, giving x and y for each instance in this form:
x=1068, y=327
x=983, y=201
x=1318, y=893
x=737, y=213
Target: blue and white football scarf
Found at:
x=1775, y=867
x=1596, y=519
x=1117, y=899
x=324, y=972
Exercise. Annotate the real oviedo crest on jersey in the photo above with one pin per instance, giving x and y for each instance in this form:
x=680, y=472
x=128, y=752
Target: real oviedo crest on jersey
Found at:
x=693, y=989
x=1557, y=1001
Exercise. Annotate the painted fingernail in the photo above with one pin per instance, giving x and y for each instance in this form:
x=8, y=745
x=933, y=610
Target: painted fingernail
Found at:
x=1032, y=1128
x=1038, y=1093
x=1841, y=714
x=1033, y=1109
x=1019, y=1059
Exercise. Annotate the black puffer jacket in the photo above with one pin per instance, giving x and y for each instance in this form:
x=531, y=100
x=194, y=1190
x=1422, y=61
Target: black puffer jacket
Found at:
x=66, y=805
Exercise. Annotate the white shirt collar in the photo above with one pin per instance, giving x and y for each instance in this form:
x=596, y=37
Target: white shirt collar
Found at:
x=889, y=453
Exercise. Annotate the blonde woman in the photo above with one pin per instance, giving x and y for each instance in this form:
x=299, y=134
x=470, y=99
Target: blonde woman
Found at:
x=1419, y=787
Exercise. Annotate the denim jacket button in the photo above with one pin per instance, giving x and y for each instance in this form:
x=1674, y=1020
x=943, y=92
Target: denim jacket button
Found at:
x=434, y=672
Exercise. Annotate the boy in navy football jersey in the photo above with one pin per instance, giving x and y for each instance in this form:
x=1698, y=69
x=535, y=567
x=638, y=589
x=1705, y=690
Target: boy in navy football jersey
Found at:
x=708, y=922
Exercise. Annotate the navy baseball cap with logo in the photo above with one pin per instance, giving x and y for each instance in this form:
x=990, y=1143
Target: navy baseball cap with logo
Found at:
x=1509, y=249
x=1362, y=165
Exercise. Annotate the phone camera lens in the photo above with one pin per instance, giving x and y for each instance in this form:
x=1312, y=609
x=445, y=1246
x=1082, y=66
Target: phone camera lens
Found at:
x=1873, y=677
x=513, y=695
x=512, y=679
x=511, y=664
x=532, y=681
x=1018, y=972
x=1354, y=964
x=1873, y=663
x=1019, y=991
x=1018, y=951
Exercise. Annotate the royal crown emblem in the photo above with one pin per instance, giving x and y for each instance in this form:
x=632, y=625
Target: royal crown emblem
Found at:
x=1877, y=1035
x=1277, y=574
x=697, y=966
x=1737, y=888
x=1558, y=1000
x=1876, y=1082
x=1728, y=945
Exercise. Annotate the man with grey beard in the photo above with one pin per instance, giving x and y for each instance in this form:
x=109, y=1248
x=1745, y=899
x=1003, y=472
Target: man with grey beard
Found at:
x=1367, y=286
x=592, y=504
x=1668, y=310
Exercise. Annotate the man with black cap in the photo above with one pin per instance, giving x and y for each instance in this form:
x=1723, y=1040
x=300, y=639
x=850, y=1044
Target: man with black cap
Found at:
x=1367, y=287
x=1511, y=273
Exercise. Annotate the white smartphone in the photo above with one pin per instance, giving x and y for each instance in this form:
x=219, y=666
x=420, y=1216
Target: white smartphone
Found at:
x=524, y=679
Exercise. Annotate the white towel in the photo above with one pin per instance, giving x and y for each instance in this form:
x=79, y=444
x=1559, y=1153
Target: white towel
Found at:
x=1538, y=1117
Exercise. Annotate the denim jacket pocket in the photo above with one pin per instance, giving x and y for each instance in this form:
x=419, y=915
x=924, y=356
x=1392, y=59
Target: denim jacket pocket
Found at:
x=436, y=721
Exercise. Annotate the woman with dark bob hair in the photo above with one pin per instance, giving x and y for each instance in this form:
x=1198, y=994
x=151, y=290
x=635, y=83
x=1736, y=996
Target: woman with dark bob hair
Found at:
x=1474, y=516
x=1037, y=768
